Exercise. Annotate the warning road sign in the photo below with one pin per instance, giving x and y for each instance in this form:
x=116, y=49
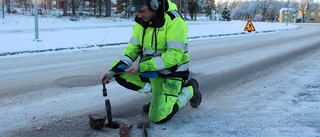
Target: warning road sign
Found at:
x=249, y=27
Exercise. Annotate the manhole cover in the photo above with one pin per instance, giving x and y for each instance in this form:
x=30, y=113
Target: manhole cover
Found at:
x=78, y=81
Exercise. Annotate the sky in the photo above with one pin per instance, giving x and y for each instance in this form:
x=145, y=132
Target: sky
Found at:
x=18, y=35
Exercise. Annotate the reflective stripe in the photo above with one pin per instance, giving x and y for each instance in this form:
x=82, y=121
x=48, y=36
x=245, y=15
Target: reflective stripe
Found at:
x=126, y=60
x=186, y=49
x=134, y=41
x=175, y=13
x=146, y=89
x=176, y=45
x=152, y=52
x=184, y=96
x=159, y=63
x=171, y=44
x=182, y=67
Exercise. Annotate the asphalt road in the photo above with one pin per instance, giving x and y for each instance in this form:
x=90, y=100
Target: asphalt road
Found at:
x=217, y=64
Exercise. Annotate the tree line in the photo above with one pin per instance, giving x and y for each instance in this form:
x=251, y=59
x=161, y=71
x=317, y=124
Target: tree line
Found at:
x=258, y=10
x=73, y=5
x=266, y=10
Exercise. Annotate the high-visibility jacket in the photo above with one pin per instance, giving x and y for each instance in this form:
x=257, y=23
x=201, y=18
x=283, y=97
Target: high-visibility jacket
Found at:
x=161, y=45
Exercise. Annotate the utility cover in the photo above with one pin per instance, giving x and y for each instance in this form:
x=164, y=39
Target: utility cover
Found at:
x=249, y=27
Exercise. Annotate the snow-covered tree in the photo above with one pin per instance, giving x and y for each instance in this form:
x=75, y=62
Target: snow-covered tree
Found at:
x=225, y=14
x=245, y=10
x=211, y=7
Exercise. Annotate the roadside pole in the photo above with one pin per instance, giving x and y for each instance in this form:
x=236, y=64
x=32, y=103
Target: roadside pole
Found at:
x=36, y=28
x=2, y=9
x=287, y=20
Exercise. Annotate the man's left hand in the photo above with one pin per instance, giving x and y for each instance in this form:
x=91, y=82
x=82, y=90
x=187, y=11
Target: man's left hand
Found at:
x=133, y=69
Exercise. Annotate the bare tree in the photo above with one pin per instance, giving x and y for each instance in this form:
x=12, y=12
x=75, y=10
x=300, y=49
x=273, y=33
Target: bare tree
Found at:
x=303, y=9
x=237, y=12
x=65, y=8
x=25, y=6
x=100, y=7
x=193, y=7
x=94, y=7
x=294, y=4
x=50, y=5
x=108, y=8
x=245, y=10
x=122, y=5
x=73, y=7
x=8, y=6
x=264, y=6
x=274, y=9
x=232, y=5
x=312, y=7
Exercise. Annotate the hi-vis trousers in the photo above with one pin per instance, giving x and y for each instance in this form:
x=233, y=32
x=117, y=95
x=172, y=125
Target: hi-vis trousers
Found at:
x=168, y=94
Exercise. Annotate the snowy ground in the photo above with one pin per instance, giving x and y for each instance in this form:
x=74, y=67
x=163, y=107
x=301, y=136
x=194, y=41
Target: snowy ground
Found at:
x=245, y=110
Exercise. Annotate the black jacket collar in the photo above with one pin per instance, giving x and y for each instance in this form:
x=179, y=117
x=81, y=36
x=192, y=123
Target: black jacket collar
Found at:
x=155, y=23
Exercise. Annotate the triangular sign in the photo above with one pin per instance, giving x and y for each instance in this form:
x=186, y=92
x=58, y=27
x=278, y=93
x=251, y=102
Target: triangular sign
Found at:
x=249, y=27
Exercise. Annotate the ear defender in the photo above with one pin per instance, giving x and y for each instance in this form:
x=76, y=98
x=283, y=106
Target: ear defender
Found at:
x=153, y=5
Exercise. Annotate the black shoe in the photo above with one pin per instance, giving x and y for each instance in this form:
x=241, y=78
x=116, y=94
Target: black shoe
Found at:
x=146, y=107
x=196, y=98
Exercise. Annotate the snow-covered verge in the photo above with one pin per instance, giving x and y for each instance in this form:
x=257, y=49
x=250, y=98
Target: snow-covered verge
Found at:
x=18, y=34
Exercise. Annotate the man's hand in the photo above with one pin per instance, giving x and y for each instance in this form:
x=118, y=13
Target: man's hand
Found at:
x=106, y=77
x=133, y=69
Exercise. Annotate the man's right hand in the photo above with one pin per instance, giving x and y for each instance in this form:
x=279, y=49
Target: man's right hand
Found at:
x=106, y=77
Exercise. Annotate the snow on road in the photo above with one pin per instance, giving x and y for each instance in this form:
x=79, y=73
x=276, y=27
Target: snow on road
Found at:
x=282, y=103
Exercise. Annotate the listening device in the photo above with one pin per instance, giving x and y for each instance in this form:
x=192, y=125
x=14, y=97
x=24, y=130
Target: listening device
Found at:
x=153, y=4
